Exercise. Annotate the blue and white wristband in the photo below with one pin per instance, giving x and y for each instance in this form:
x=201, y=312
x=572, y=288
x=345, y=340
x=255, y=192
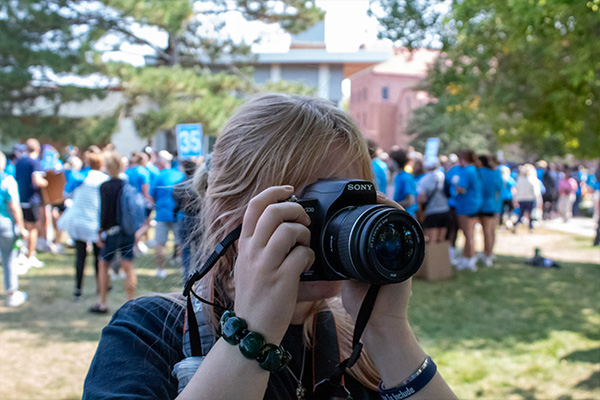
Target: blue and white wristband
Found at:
x=413, y=384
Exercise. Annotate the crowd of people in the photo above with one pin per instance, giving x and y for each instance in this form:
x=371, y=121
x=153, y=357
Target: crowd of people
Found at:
x=86, y=208
x=447, y=194
x=453, y=193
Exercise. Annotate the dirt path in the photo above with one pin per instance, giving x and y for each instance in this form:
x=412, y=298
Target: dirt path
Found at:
x=560, y=246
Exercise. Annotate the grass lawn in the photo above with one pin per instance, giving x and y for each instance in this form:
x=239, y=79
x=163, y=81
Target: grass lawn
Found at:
x=507, y=332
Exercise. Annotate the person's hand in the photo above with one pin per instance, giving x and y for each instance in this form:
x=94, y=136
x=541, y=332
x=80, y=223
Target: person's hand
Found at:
x=100, y=242
x=390, y=311
x=24, y=234
x=273, y=250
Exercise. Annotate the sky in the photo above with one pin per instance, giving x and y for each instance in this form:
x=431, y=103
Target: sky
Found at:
x=347, y=26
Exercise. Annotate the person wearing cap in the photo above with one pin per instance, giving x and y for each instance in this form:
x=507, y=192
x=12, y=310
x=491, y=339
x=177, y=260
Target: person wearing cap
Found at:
x=162, y=194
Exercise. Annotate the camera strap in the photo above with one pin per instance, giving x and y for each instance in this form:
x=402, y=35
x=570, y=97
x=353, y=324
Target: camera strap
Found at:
x=331, y=388
x=328, y=388
x=220, y=248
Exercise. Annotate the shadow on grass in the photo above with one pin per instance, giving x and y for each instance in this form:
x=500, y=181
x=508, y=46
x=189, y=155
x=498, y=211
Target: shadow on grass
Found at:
x=510, y=304
x=591, y=356
x=51, y=312
x=590, y=383
x=501, y=307
x=526, y=394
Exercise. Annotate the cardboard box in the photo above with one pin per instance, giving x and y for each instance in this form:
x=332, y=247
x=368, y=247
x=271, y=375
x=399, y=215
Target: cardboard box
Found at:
x=53, y=193
x=436, y=264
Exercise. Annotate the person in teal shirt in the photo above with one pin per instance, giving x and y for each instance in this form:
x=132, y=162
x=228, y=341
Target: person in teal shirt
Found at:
x=506, y=194
x=11, y=217
x=10, y=165
x=491, y=185
x=405, y=187
x=380, y=169
x=164, y=204
x=468, y=206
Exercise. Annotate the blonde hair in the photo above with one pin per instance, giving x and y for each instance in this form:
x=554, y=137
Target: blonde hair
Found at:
x=527, y=170
x=505, y=171
x=275, y=139
x=113, y=163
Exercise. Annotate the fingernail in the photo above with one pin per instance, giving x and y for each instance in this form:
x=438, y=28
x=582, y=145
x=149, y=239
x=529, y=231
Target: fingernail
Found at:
x=288, y=187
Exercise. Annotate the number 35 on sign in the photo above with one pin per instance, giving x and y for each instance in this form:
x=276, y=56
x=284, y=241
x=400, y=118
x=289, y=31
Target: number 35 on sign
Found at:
x=189, y=140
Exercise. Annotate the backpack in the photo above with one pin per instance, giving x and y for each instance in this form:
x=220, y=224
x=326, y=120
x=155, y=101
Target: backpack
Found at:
x=131, y=209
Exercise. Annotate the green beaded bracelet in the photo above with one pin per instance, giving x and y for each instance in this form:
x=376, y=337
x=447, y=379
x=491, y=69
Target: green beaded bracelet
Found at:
x=253, y=345
x=233, y=329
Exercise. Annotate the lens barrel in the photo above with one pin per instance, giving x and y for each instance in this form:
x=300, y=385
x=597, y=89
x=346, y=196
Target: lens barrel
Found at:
x=371, y=243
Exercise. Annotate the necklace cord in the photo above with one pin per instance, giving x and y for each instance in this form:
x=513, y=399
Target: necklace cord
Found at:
x=300, y=390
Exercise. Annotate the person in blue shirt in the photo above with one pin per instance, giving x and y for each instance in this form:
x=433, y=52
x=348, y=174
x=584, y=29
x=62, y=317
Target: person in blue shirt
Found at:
x=162, y=193
x=580, y=175
x=10, y=164
x=29, y=177
x=77, y=177
x=11, y=217
x=418, y=170
x=491, y=185
x=50, y=212
x=139, y=177
x=468, y=206
x=596, y=198
x=380, y=169
x=452, y=176
x=73, y=175
x=507, y=194
x=405, y=188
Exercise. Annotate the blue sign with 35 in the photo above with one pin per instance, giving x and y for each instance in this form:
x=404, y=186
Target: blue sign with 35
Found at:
x=189, y=140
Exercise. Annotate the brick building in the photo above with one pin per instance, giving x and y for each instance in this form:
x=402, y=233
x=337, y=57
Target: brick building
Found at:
x=383, y=96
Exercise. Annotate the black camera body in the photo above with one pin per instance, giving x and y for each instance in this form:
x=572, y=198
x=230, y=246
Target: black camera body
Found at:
x=353, y=237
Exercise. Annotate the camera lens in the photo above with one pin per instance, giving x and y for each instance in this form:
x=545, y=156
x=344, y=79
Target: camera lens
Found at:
x=373, y=243
x=394, y=246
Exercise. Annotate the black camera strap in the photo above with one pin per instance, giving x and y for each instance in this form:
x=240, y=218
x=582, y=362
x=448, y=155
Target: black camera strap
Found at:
x=329, y=388
x=222, y=246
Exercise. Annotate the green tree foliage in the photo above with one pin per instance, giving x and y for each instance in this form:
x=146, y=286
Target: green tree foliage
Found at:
x=38, y=43
x=44, y=41
x=190, y=95
x=527, y=71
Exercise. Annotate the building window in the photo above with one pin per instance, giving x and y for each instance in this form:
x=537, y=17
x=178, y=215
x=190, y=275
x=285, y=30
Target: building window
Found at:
x=385, y=93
